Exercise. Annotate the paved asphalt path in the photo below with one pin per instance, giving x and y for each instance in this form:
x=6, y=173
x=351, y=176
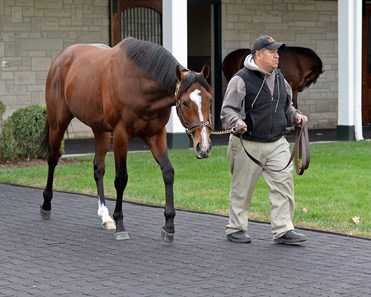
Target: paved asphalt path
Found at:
x=70, y=255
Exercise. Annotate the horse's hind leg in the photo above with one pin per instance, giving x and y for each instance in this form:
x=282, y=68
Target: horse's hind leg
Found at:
x=102, y=143
x=54, y=138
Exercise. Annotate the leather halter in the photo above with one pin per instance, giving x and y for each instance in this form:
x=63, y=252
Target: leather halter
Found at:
x=300, y=151
x=190, y=127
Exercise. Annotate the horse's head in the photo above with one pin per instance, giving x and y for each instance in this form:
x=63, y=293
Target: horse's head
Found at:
x=193, y=106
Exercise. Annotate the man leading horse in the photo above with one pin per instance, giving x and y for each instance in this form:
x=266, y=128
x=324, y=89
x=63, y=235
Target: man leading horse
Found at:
x=258, y=106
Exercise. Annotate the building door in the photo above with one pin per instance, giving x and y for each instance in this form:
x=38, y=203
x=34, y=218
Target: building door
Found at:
x=141, y=19
x=366, y=66
x=204, y=46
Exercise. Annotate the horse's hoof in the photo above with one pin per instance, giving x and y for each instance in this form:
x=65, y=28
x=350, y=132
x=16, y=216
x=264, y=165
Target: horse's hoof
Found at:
x=122, y=235
x=109, y=225
x=45, y=214
x=167, y=237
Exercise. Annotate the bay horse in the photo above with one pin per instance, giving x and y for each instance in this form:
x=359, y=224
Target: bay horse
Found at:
x=300, y=66
x=127, y=91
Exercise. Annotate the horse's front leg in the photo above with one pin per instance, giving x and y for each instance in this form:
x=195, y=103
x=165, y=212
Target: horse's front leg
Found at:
x=158, y=147
x=121, y=179
x=102, y=142
x=295, y=95
x=168, y=175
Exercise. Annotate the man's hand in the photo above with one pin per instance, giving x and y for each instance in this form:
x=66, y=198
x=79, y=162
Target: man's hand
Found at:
x=299, y=118
x=240, y=127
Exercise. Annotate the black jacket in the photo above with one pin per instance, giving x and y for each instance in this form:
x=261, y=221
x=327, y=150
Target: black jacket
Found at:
x=265, y=114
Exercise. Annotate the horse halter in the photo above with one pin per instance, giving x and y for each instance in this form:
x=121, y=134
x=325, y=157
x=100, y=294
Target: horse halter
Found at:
x=190, y=127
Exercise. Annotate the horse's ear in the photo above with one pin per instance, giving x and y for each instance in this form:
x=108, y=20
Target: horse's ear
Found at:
x=178, y=73
x=205, y=71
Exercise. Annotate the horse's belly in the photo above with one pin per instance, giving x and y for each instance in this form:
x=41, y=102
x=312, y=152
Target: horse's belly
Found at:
x=98, y=124
x=89, y=110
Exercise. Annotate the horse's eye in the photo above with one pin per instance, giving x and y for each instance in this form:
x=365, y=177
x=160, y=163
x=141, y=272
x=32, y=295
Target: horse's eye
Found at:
x=185, y=104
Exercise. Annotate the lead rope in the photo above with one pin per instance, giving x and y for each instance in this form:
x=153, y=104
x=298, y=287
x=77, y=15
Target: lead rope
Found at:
x=300, y=152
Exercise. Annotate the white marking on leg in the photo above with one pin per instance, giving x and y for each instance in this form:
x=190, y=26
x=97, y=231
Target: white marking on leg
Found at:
x=197, y=99
x=107, y=222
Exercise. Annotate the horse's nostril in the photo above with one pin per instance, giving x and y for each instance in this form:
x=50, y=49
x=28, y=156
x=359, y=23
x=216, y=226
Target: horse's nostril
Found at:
x=209, y=149
x=198, y=147
x=202, y=151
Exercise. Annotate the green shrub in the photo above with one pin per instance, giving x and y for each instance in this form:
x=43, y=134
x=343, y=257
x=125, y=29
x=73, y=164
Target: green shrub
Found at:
x=8, y=146
x=2, y=110
x=6, y=140
x=20, y=135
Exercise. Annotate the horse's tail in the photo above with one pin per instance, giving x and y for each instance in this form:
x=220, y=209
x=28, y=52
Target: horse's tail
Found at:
x=44, y=148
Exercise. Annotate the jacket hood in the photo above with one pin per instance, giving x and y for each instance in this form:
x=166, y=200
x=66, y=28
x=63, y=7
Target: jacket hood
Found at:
x=249, y=63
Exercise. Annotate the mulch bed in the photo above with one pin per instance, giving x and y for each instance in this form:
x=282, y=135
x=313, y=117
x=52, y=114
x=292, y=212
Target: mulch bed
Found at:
x=34, y=162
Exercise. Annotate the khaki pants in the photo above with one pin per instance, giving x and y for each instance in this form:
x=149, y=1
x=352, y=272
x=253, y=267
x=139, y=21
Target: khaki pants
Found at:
x=245, y=174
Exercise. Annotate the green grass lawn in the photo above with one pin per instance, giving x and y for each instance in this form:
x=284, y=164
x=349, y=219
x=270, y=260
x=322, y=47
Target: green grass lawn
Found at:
x=331, y=194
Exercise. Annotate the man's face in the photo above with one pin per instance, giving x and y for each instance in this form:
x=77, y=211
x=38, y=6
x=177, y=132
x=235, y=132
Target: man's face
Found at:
x=267, y=59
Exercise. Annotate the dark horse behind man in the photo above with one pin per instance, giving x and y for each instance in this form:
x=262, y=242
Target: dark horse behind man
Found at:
x=128, y=91
x=300, y=66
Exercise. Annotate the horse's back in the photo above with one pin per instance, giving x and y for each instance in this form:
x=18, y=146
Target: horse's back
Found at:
x=303, y=63
x=234, y=62
x=302, y=57
x=76, y=59
x=72, y=61
x=293, y=59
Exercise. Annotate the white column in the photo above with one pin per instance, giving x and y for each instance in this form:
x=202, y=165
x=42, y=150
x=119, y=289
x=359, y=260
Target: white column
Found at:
x=174, y=21
x=350, y=69
x=358, y=70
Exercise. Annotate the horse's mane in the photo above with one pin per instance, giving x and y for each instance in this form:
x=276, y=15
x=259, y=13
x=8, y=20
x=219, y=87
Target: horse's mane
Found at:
x=154, y=60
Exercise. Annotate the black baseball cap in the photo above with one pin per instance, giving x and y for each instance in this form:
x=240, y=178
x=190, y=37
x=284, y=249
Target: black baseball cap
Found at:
x=265, y=42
